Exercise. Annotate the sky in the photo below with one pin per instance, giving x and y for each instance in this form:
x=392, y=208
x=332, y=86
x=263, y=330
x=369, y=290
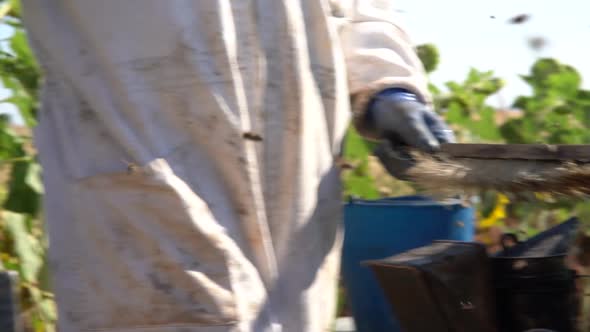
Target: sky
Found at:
x=475, y=33
x=5, y=32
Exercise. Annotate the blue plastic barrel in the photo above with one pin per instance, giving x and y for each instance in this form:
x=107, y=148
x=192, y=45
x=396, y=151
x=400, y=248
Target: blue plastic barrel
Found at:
x=378, y=229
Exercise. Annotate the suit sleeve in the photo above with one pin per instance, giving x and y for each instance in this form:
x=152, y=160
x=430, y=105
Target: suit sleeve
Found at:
x=378, y=53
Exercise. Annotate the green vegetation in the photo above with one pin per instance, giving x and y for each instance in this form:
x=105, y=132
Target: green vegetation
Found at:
x=22, y=237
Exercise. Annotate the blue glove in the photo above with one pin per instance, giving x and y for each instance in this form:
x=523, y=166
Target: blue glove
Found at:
x=402, y=120
x=400, y=117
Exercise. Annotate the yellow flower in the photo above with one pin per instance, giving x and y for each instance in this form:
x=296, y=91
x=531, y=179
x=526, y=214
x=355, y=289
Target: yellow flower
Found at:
x=498, y=214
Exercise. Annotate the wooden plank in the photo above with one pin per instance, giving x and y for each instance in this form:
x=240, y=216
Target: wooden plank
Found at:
x=518, y=151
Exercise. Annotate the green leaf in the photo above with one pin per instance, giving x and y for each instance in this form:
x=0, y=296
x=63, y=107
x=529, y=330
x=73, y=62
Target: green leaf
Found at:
x=26, y=108
x=24, y=195
x=11, y=145
x=433, y=89
x=550, y=76
x=583, y=211
x=454, y=87
x=16, y=9
x=48, y=310
x=455, y=114
x=362, y=186
x=33, y=178
x=428, y=54
x=358, y=182
x=518, y=131
x=488, y=203
x=583, y=96
x=565, y=84
x=20, y=46
x=19, y=70
x=521, y=103
x=44, y=273
x=543, y=68
x=486, y=127
x=489, y=87
x=28, y=249
x=356, y=147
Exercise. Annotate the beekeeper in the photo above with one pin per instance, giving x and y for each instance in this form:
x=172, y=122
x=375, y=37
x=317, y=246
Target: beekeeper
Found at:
x=189, y=154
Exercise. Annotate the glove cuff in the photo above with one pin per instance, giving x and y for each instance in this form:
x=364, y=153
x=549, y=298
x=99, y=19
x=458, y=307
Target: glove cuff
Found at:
x=394, y=95
x=399, y=94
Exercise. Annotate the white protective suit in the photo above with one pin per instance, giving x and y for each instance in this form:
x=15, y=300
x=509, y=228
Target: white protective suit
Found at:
x=188, y=149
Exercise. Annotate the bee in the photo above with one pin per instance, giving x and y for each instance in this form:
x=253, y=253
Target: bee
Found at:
x=252, y=137
x=537, y=43
x=519, y=19
x=343, y=163
x=132, y=168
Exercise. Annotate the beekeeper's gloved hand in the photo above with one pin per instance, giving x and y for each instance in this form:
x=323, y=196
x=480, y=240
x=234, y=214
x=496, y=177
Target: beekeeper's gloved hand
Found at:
x=399, y=116
x=402, y=120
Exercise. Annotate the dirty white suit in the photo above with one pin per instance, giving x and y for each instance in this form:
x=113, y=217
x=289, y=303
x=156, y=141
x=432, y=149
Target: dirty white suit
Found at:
x=188, y=149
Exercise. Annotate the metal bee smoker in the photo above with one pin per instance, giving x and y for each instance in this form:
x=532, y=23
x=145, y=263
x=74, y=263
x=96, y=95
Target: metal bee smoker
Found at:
x=457, y=287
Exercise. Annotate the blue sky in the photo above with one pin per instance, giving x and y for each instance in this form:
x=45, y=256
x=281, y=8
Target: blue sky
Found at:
x=467, y=36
